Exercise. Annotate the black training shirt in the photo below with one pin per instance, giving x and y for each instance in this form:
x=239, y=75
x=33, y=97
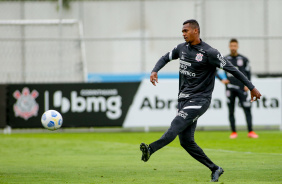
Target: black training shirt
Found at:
x=198, y=69
x=242, y=64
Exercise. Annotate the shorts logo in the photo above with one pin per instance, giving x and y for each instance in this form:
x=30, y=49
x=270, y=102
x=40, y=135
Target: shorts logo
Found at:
x=199, y=57
x=26, y=106
x=182, y=114
x=227, y=93
x=183, y=95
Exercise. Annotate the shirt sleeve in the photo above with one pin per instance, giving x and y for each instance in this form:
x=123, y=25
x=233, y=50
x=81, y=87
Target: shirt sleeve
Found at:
x=216, y=59
x=247, y=68
x=166, y=58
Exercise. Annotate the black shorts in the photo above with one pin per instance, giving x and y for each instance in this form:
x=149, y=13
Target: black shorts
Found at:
x=190, y=110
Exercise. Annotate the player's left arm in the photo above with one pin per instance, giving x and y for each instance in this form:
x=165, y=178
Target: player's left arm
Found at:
x=216, y=59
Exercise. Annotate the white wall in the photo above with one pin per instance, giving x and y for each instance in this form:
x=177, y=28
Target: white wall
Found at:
x=107, y=23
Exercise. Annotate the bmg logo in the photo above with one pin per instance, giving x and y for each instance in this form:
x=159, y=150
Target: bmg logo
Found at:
x=86, y=102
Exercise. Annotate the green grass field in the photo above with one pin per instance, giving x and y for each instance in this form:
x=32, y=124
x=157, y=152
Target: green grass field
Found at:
x=115, y=158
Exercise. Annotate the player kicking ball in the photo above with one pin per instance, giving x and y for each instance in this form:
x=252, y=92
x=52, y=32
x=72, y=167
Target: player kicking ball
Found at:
x=198, y=62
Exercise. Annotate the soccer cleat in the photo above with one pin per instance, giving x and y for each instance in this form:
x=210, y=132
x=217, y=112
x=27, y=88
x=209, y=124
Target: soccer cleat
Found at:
x=252, y=134
x=216, y=174
x=145, y=152
x=233, y=135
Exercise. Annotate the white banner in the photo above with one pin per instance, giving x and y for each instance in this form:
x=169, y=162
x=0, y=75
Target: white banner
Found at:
x=156, y=105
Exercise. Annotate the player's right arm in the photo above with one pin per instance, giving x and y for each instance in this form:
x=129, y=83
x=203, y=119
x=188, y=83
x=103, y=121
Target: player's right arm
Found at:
x=174, y=54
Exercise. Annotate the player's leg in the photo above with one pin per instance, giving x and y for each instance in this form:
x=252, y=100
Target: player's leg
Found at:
x=189, y=112
x=231, y=95
x=177, y=125
x=246, y=105
x=187, y=141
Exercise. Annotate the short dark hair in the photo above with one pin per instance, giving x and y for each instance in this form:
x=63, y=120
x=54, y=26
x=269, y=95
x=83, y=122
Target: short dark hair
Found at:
x=194, y=24
x=233, y=40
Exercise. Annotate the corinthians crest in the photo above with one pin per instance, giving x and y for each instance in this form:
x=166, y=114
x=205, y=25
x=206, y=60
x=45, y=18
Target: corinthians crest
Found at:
x=26, y=105
x=199, y=57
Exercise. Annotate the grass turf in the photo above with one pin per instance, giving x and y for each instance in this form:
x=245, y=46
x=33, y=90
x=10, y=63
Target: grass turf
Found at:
x=115, y=158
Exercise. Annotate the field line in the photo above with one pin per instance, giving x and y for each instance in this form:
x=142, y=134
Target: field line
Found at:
x=230, y=151
x=207, y=149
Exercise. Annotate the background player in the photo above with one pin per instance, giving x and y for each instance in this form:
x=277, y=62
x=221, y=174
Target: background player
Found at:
x=198, y=62
x=235, y=88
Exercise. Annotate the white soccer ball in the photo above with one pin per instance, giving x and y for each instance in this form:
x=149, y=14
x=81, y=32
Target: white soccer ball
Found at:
x=52, y=120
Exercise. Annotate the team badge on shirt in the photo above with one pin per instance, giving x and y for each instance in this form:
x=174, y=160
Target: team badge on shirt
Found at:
x=240, y=62
x=199, y=57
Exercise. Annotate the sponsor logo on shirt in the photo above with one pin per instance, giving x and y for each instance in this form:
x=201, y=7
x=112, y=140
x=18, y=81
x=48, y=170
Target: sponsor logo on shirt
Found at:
x=185, y=63
x=222, y=60
x=188, y=73
x=183, y=66
x=201, y=50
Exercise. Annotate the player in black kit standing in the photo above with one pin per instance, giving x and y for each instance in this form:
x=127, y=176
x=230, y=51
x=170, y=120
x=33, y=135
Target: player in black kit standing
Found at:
x=198, y=62
x=235, y=88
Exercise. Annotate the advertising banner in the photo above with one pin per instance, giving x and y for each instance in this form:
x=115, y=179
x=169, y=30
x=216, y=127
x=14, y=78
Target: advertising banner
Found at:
x=131, y=104
x=3, y=109
x=156, y=105
x=153, y=105
x=266, y=111
x=81, y=105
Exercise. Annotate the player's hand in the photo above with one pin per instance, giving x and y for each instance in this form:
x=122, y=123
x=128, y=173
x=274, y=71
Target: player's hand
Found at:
x=154, y=78
x=246, y=88
x=255, y=94
x=225, y=81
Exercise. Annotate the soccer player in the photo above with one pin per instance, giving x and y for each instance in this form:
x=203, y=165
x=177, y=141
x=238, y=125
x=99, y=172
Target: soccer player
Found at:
x=198, y=62
x=235, y=88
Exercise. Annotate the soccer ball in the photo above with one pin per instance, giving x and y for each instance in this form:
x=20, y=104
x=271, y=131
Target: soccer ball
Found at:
x=52, y=120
